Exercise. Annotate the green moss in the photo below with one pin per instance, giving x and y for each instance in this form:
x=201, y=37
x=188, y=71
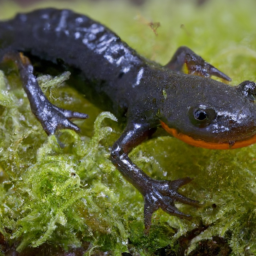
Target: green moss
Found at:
x=64, y=190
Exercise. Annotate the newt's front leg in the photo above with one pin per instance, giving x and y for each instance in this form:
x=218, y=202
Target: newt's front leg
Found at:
x=50, y=116
x=157, y=193
x=196, y=65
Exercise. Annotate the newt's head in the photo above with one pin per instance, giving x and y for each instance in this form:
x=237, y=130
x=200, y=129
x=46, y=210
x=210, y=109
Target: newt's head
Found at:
x=206, y=113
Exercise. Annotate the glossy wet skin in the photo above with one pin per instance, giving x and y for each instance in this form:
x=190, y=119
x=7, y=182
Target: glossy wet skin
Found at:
x=195, y=109
x=133, y=76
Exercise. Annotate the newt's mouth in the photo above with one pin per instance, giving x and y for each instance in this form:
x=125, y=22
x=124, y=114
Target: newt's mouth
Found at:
x=210, y=145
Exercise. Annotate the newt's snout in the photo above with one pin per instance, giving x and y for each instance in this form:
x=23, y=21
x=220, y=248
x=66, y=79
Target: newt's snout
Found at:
x=248, y=89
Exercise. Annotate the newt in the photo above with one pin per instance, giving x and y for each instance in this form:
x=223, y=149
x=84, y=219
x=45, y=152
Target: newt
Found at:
x=192, y=107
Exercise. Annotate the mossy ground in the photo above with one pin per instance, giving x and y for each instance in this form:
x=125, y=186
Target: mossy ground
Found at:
x=64, y=190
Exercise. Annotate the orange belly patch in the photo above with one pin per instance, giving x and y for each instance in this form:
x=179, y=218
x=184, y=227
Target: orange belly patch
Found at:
x=204, y=144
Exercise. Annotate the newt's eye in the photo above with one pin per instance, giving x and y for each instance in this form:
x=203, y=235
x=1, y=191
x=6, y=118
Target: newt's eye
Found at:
x=201, y=116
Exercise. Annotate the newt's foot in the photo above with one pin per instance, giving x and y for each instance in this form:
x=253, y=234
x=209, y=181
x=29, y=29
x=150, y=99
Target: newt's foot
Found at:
x=163, y=194
x=53, y=118
x=198, y=66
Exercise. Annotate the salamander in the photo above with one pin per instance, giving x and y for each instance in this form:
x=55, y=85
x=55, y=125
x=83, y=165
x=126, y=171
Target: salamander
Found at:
x=192, y=107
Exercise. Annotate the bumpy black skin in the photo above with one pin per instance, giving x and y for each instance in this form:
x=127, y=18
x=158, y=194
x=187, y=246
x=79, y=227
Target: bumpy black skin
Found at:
x=143, y=91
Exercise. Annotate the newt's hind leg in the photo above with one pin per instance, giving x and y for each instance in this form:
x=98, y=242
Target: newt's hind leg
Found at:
x=50, y=116
x=195, y=64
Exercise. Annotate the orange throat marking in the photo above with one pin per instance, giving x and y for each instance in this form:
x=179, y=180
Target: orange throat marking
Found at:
x=204, y=144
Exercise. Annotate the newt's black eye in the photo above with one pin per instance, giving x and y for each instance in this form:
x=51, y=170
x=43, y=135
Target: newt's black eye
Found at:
x=201, y=116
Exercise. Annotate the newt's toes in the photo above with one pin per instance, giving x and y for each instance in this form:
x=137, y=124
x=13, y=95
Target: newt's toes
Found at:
x=163, y=195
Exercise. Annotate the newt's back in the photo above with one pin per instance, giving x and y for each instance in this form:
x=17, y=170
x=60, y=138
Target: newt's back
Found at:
x=77, y=40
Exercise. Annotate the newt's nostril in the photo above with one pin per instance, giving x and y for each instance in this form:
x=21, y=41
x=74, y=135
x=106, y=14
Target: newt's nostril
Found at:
x=248, y=89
